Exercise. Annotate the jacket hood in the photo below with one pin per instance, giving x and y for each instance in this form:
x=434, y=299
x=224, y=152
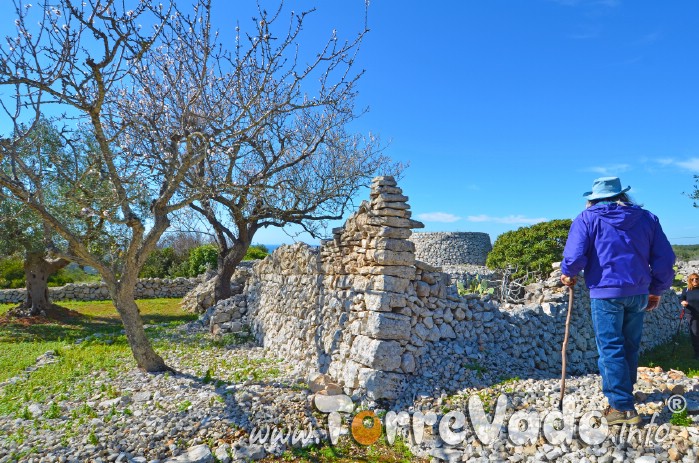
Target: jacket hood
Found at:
x=620, y=217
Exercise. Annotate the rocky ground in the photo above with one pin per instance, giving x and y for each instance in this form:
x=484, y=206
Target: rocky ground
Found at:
x=222, y=393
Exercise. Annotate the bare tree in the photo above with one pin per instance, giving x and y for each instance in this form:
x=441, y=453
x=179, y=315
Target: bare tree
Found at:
x=278, y=151
x=79, y=59
x=178, y=120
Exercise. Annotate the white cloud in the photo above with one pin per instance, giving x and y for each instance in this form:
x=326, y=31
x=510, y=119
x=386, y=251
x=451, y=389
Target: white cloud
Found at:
x=510, y=219
x=690, y=164
x=438, y=217
x=609, y=170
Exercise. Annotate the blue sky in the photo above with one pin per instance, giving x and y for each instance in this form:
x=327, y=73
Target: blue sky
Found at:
x=508, y=110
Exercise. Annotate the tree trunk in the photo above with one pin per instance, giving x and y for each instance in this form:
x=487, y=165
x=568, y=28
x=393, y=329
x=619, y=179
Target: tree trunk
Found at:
x=142, y=350
x=37, y=270
x=224, y=273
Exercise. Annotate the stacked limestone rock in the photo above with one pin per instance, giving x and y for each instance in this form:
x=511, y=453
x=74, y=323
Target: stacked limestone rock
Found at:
x=343, y=309
x=145, y=288
x=201, y=297
x=285, y=300
x=379, y=324
x=228, y=316
x=524, y=340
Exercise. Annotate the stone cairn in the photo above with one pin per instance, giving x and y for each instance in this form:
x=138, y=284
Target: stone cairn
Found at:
x=374, y=248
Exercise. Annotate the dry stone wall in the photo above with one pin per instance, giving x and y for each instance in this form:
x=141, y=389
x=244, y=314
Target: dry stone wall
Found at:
x=452, y=248
x=341, y=309
x=362, y=309
x=145, y=288
x=525, y=340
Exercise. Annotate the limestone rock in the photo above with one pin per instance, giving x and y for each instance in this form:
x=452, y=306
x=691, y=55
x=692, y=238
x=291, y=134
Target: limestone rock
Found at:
x=333, y=403
x=197, y=454
x=387, y=325
x=381, y=384
x=377, y=354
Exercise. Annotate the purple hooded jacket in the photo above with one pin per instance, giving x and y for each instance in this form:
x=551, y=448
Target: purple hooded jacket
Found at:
x=622, y=249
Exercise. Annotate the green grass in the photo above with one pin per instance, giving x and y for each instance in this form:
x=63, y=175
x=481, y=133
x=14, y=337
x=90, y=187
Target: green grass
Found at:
x=5, y=307
x=674, y=355
x=347, y=451
x=93, y=317
x=73, y=374
x=681, y=419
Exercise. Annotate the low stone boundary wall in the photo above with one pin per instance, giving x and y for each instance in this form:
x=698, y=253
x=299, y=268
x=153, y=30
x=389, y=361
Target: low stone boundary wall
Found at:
x=526, y=340
x=146, y=288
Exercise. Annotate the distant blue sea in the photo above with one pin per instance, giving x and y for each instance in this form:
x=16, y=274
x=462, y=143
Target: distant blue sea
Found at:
x=272, y=247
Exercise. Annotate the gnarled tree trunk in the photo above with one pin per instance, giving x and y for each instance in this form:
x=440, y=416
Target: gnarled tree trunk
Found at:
x=37, y=270
x=146, y=357
x=226, y=269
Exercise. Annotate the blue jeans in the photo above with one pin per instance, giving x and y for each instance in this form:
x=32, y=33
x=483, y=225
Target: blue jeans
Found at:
x=618, y=325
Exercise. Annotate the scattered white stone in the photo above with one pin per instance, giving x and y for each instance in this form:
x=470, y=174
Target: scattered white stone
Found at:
x=197, y=454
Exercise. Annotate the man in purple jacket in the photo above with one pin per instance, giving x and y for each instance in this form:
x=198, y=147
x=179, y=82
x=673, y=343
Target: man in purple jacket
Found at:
x=628, y=264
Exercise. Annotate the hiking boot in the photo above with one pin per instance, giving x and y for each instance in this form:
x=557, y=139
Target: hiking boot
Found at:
x=614, y=416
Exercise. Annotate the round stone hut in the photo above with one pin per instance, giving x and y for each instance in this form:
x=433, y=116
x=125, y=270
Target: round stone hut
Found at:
x=451, y=248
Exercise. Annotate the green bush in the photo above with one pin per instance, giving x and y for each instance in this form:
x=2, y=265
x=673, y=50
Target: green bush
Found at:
x=256, y=251
x=11, y=273
x=160, y=264
x=532, y=248
x=167, y=263
x=202, y=258
x=60, y=278
x=686, y=252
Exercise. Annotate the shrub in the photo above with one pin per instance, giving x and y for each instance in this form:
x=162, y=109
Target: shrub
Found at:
x=159, y=264
x=60, y=278
x=531, y=249
x=686, y=252
x=11, y=273
x=167, y=263
x=256, y=251
x=202, y=258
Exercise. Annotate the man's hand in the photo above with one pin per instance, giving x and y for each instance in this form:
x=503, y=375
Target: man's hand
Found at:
x=684, y=303
x=568, y=281
x=653, y=302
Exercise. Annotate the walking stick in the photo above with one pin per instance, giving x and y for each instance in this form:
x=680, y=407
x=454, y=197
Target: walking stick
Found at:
x=565, y=347
x=679, y=326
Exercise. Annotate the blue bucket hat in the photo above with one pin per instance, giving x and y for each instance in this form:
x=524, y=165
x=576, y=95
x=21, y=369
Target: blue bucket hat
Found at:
x=605, y=187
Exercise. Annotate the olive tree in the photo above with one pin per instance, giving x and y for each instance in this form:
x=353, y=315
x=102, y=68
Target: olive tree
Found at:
x=26, y=233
